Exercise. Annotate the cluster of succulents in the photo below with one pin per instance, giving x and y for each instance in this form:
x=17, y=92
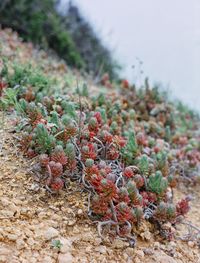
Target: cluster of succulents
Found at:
x=125, y=150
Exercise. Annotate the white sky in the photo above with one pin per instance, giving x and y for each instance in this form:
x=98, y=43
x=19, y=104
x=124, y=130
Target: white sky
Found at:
x=164, y=34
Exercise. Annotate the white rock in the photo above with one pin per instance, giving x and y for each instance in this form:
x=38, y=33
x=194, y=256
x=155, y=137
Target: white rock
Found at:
x=30, y=241
x=34, y=187
x=7, y=213
x=165, y=259
x=97, y=241
x=20, y=244
x=146, y=235
x=137, y=260
x=12, y=237
x=47, y=259
x=24, y=211
x=161, y=257
x=65, y=258
x=120, y=244
x=101, y=249
x=172, y=243
x=80, y=212
x=156, y=245
x=42, y=215
x=139, y=253
x=13, y=207
x=125, y=256
x=4, y=251
x=191, y=244
x=72, y=222
x=51, y=233
x=130, y=251
x=88, y=249
x=66, y=245
x=5, y=202
x=33, y=260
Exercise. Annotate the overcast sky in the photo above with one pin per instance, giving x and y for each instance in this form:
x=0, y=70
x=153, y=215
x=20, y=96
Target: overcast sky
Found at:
x=165, y=35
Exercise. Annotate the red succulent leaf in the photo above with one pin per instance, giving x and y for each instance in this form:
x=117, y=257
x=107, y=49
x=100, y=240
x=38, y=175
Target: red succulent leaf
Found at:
x=31, y=153
x=112, y=153
x=95, y=181
x=97, y=115
x=137, y=200
x=57, y=184
x=124, y=231
x=88, y=151
x=123, y=196
x=99, y=205
x=56, y=168
x=93, y=125
x=128, y=172
x=107, y=189
x=92, y=170
x=123, y=212
x=108, y=215
x=107, y=137
x=44, y=160
x=139, y=180
x=148, y=198
x=69, y=132
x=71, y=164
x=182, y=207
x=58, y=156
x=25, y=142
x=141, y=139
x=119, y=141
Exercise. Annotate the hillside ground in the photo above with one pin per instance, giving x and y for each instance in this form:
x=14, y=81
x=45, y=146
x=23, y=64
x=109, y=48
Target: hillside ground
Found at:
x=33, y=222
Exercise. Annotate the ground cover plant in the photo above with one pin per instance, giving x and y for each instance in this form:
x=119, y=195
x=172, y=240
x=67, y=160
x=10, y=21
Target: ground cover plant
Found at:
x=127, y=148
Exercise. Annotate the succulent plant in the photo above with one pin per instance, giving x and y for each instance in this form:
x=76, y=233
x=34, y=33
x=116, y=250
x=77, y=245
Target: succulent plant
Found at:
x=131, y=150
x=182, y=206
x=56, y=168
x=57, y=184
x=93, y=125
x=121, y=148
x=128, y=172
x=139, y=180
x=107, y=189
x=123, y=212
x=44, y=160
x=55, y=118
x=58, y=155
x=143, y=165
x=157, y=183
x=89, y=162
x=44, y=141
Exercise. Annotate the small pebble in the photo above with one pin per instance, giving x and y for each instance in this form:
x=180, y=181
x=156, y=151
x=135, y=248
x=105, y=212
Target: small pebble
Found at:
x=191, y=244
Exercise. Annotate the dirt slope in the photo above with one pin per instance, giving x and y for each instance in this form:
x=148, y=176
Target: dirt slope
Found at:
x=31, y=218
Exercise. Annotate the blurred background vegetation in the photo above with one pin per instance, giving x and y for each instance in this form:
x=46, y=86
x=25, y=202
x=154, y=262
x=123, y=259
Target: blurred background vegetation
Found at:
x=67, y=33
